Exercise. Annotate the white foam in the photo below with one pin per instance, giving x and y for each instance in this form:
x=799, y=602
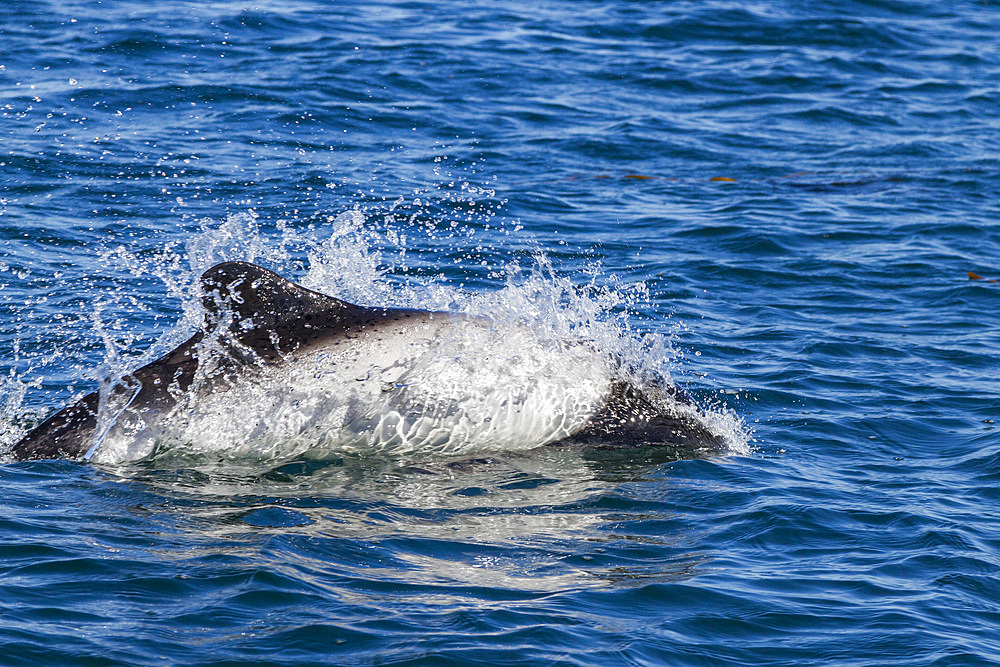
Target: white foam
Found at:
x=448, y=388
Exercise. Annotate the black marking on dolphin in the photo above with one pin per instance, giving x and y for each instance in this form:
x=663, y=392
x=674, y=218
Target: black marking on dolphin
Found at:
x=272, y=318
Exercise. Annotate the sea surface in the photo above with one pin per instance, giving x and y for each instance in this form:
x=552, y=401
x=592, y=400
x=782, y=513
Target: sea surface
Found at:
x=789, y=209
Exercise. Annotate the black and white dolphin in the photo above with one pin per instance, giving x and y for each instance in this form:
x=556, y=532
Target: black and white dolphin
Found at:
x=267, y=322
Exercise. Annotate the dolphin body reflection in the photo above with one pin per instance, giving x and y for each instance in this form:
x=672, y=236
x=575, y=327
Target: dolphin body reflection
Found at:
x=269, y=322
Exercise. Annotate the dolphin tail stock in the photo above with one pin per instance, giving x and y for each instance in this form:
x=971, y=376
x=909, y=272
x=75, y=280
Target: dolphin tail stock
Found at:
x=67, y=434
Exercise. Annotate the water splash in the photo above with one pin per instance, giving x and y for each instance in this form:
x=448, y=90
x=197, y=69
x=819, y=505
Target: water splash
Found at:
x=561, y=341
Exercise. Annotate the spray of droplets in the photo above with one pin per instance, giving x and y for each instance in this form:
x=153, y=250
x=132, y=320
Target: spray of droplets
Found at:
x=436, y=252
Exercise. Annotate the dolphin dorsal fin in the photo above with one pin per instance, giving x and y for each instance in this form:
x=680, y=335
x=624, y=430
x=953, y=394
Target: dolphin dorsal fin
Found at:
x=261, y=299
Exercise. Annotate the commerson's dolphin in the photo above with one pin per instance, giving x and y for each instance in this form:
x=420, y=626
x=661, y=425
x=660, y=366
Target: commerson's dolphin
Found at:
x=269, y=322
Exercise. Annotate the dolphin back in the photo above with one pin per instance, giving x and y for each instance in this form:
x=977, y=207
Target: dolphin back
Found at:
x=275, y=317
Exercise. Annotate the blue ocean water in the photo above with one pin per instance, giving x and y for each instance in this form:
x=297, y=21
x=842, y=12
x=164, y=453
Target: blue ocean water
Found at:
x=777, y=204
